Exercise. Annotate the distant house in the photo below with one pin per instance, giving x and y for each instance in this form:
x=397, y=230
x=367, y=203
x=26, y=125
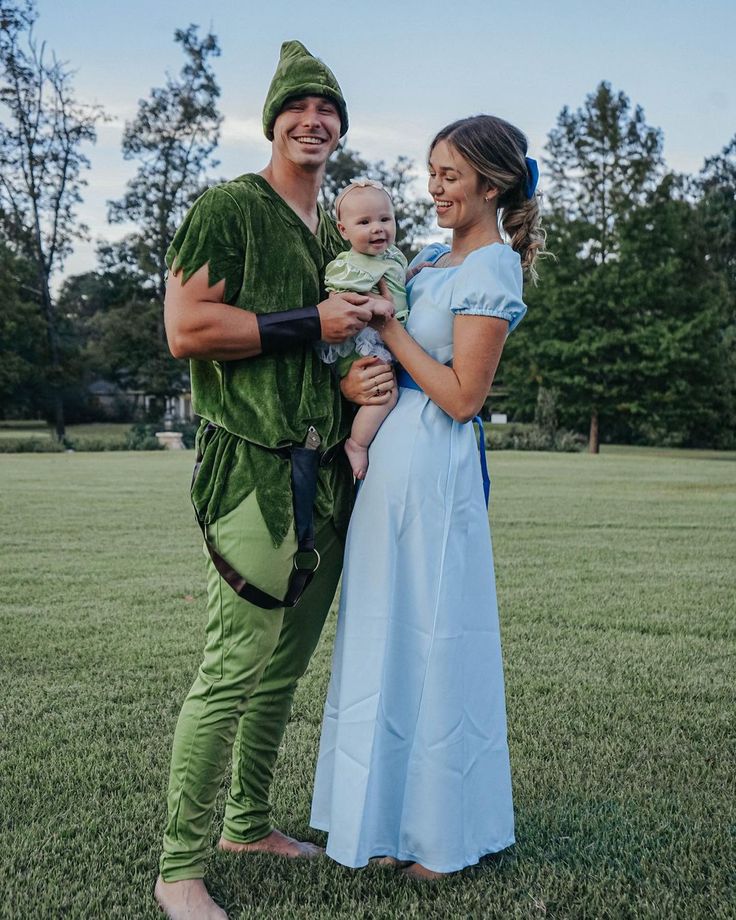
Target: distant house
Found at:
x=111, y=401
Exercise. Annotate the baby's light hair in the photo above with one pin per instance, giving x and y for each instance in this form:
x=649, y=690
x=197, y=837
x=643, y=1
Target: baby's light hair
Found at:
x=358, y=183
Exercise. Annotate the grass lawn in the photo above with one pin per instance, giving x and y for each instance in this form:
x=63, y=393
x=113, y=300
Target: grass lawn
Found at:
x=18, y=436
x=12, y=431
x=616, y=580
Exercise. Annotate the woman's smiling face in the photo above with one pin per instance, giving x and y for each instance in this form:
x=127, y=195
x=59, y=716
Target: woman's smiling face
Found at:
x=458, y=192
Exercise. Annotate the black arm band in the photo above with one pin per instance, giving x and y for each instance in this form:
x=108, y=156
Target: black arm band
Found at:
x=288, y=329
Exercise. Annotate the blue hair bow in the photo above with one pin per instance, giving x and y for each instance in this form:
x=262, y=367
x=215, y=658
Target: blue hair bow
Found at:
x=532, y=176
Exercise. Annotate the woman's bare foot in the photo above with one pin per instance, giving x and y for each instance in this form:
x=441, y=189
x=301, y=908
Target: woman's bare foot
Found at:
x=276, y=843
x=390, y=862
x=418, y=871
x=358, y=457
x=186, y=900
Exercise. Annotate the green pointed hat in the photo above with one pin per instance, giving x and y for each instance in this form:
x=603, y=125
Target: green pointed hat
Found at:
x=299, y=73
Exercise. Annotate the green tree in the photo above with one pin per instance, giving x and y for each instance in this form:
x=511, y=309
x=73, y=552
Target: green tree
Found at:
x=716, y=187
x=343, y=166
x=656, y=357
x=602, y=161
x=414, y=216
x=42, y=132
x=679, y=308
x=717, y=206
x=115, y=314
x=23, y=345
x=173, y=137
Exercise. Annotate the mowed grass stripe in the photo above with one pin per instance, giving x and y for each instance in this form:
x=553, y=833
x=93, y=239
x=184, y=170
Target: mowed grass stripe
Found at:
x=616, y=581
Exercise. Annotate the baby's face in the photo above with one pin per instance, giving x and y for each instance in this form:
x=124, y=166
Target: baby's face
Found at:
x=367, y=220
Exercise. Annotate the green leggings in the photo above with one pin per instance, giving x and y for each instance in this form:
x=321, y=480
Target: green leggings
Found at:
x=242, y=696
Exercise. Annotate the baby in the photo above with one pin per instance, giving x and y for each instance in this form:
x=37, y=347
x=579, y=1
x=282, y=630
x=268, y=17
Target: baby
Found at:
x=365, y=217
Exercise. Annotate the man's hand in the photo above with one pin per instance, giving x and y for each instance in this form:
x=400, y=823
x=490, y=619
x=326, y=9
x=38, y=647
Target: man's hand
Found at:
x=369, y=382
x=343, y=315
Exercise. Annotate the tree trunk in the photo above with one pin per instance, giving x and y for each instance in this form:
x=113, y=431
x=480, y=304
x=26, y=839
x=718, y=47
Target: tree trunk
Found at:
x=57, y=400
x=594, y=445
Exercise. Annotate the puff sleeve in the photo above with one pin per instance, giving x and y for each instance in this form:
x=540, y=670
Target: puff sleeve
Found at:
x=430, y=253
x=342, y=274
x=489, y=283
x=213, y=232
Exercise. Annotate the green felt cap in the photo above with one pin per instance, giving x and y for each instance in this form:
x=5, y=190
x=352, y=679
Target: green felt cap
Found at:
x=299, y=73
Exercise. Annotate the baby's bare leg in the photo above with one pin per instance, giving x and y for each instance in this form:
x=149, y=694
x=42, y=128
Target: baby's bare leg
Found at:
x=366, y=423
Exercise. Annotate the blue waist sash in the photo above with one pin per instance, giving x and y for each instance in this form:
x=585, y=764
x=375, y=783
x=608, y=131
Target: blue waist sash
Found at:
x=405, y=379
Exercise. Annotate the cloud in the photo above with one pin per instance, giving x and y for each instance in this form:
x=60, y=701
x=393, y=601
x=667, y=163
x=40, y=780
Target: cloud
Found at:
x=239, y=130
x=377, y=141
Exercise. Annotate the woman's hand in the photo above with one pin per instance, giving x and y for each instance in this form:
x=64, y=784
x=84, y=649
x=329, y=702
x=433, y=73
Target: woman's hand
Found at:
x=382, y=306
x=417, y=268
x=369, y=382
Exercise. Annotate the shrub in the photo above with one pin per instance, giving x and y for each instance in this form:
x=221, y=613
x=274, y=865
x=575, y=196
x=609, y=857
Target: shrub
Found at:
x=97, y=443
x=501, y=437
x=188, y=432
x=142, y=436
x=31, y=446
x=569, y=442
x=545, y=413
x=20, y=424
x=516, y=436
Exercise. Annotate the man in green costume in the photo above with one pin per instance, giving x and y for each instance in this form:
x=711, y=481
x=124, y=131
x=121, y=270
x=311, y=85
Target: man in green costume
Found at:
x=245, y=303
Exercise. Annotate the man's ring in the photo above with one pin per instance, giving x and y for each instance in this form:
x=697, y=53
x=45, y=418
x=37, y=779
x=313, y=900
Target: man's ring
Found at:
x=378, y=391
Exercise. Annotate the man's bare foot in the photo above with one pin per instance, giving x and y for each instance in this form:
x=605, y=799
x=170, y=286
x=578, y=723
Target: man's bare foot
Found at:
x=418, y=871
x=275, y=842
x=358, y=457
x=186, y=900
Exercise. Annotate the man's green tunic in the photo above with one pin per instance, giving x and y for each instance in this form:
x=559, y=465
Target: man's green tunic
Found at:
x=270, y=261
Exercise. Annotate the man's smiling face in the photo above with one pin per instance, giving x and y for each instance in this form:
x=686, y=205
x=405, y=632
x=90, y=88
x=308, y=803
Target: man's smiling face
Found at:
x=307, y=130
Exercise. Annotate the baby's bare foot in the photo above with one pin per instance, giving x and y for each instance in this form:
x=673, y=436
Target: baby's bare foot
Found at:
x=186, y=900
x=276, y=843
x=358, y=457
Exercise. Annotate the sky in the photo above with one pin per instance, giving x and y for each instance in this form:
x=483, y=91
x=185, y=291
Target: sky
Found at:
x=406, y=67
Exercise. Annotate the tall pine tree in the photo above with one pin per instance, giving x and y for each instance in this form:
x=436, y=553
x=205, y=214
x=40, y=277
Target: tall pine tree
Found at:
x=716, y=185
x=642, y=333
x=603, y=160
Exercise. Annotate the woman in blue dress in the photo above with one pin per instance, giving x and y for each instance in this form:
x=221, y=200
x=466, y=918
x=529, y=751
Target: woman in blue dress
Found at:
x=413, y=764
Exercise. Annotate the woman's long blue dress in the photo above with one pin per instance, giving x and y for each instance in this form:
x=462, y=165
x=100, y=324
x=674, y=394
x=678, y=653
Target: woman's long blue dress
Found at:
x=413, y=760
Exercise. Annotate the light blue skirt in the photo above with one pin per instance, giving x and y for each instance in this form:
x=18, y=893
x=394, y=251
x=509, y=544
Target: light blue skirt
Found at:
x=413, y=760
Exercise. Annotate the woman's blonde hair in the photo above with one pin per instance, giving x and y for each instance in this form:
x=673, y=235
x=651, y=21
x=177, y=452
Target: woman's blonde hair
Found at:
x=497, y=152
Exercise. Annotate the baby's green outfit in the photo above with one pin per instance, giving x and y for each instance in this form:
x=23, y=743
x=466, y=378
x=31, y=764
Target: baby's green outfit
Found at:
x=360, y=273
